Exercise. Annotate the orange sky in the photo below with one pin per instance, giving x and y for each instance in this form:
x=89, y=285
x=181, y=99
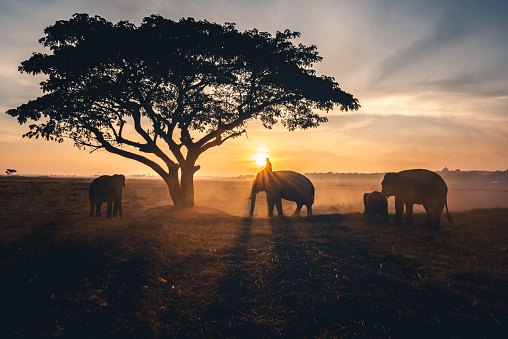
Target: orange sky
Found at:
x=431, y=78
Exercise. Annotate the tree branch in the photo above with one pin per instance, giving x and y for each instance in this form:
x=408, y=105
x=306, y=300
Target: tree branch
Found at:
x=243, y=116
x=110, y=148
x=219, y=141
x=152, y=146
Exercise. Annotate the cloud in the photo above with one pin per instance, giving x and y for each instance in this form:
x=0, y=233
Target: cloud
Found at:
x=430, y=75
x=460, y=48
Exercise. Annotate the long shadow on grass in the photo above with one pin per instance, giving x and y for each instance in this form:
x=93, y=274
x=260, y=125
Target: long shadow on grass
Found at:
x=264, y=291
x=329, y=284
x=320, y=282
x=221, y=315
x=235, y=259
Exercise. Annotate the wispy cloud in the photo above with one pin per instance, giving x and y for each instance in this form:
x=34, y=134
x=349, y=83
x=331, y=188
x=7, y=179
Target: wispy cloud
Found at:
x=460, y=49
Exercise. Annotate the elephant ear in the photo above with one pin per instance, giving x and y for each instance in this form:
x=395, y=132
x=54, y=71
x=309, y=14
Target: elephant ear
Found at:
x=120, y=178
x=390, y=177
x=388, y=181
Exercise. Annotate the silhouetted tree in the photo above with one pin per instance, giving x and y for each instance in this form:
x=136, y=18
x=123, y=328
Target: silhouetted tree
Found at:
x=183, y=86
x=10, y=171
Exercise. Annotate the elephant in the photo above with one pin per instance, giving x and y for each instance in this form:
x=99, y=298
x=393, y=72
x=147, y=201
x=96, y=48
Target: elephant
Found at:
x=376, y=204
x=417, y=186
x=107, y=189
x=286, y=185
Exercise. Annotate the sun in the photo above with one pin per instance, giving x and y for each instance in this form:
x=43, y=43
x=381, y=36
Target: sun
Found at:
x=259, y=158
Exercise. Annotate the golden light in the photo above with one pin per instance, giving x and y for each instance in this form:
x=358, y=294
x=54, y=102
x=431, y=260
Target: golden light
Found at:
x=260, y=159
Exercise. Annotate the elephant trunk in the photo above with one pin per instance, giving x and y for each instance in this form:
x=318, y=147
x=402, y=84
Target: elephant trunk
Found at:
x=252, y=203
x=253, y=198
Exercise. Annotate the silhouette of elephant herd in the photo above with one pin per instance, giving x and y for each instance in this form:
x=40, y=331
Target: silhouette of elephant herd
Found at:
x=415, y=186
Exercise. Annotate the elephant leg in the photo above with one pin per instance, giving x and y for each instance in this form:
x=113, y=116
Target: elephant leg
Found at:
x=386, y=219
x=92, y=207
x=270, y=204
x=98, y=211
x=110, y=207
x=409, y=214
x=437, y=214
x=429, y=214
x=278, y=204
x=298, y=209
x=115, y=208
x=399, y=208
x=309, y=210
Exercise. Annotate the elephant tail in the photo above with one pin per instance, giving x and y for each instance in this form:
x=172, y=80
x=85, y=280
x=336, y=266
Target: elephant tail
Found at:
x=450, y=219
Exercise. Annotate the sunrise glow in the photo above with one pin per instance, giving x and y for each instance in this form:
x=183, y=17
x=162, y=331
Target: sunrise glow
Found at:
x=260, y=158
x=419, y=108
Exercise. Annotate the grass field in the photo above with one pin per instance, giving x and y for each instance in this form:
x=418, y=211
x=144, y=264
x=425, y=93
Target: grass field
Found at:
x=216, y=273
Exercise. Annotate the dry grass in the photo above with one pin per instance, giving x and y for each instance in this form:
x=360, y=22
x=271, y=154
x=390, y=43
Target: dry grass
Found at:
x=163, y=273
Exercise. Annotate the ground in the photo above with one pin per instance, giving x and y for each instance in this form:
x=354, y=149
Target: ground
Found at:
x=211, y=272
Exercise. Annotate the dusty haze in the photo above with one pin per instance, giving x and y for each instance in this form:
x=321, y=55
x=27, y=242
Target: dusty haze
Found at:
x=339, y=193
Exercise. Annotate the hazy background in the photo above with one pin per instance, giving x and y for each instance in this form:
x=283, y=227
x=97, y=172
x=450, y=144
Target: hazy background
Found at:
x=430, y=75
x=335, y=194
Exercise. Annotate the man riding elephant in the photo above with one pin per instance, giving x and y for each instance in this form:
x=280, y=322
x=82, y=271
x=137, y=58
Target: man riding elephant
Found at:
x=280, y=185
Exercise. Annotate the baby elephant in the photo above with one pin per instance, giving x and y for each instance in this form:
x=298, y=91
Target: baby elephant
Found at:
x=376, y=204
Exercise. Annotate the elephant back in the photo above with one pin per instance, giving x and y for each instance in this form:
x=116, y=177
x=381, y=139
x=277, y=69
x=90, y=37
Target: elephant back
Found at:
x=424, y=178
x=294, y=186
x=104, y=187
x=419, y=185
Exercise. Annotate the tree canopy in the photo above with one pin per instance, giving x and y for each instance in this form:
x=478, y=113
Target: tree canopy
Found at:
x=184, y=86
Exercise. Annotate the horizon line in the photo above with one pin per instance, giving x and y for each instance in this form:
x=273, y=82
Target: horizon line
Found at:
x=154, y=176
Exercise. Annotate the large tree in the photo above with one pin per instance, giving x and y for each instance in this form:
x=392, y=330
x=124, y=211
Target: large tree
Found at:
x=183, y=87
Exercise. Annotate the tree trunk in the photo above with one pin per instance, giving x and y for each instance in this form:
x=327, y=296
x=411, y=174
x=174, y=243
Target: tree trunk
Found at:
x=174, y=188
x=187, y=185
